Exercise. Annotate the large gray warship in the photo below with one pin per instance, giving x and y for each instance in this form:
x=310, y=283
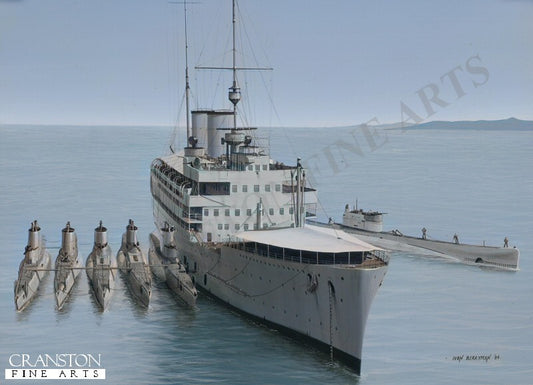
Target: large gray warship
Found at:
x=240, y=228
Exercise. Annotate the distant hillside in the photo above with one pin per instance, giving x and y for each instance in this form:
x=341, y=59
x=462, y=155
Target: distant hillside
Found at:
x=510, y=124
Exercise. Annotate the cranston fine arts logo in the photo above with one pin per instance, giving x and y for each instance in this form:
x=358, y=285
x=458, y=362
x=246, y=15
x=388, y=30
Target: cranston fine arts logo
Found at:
x=62, y=366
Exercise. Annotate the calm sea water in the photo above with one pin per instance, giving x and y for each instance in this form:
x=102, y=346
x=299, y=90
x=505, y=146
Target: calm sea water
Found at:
x=428, y=311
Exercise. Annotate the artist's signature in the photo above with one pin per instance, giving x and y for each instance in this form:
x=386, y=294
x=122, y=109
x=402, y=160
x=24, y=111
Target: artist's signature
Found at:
x=476, y=357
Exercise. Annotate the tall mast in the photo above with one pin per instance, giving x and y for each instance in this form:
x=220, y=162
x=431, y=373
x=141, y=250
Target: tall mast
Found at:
x=187, y=88
x=235, y=138
x=234, y=94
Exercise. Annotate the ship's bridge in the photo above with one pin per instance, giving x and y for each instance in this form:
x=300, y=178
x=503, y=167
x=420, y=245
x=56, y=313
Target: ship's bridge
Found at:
x=216, y=202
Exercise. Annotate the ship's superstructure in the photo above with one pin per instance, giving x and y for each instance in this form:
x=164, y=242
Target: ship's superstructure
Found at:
x=240, y=230
x=361, y=219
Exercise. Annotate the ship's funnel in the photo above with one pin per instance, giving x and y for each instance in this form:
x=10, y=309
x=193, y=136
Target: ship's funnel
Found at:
x=100, y=235
x=217, y=123
x=131, y=233
x=69, y=240
x=34, y=235
x=199, y=127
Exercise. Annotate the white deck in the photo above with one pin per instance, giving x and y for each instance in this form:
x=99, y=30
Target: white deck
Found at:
x=308, y=238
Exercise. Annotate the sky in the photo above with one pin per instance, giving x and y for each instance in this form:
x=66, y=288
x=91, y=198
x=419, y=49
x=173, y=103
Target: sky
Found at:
x=335, y=63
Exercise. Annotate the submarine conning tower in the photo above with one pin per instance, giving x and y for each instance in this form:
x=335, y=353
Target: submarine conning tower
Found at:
x=167, y=232
x=68, y=240
x=100, y=235
x=131, y=233
x=169, y=245
x=34, y=236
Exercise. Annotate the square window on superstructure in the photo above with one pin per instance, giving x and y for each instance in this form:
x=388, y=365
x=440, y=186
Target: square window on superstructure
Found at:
x=226, y=226
x=226, y=212
x=265, y=167
x=234, y=188
x=237, y=212
x=237, y=226
x=278, y=187
x=256, y=188
x=244, y=188
x=220, y=226
x=246, y=226
x=267, y=188
x=271, y=211
x=215, y=212
x=206, y=212
x=249, y=212
x=281, y=211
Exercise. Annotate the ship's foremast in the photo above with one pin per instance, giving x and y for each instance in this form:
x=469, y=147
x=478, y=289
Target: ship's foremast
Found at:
x=236, y=136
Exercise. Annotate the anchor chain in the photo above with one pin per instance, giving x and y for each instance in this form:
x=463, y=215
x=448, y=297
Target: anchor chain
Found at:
x=330, y=321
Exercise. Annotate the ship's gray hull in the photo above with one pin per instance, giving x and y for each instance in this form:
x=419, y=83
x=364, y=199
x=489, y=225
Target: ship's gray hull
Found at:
x=332, y=313
x=30, y=277
x=102, y=276
x=178, y=281
x=64, y=280
x=136, y=274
